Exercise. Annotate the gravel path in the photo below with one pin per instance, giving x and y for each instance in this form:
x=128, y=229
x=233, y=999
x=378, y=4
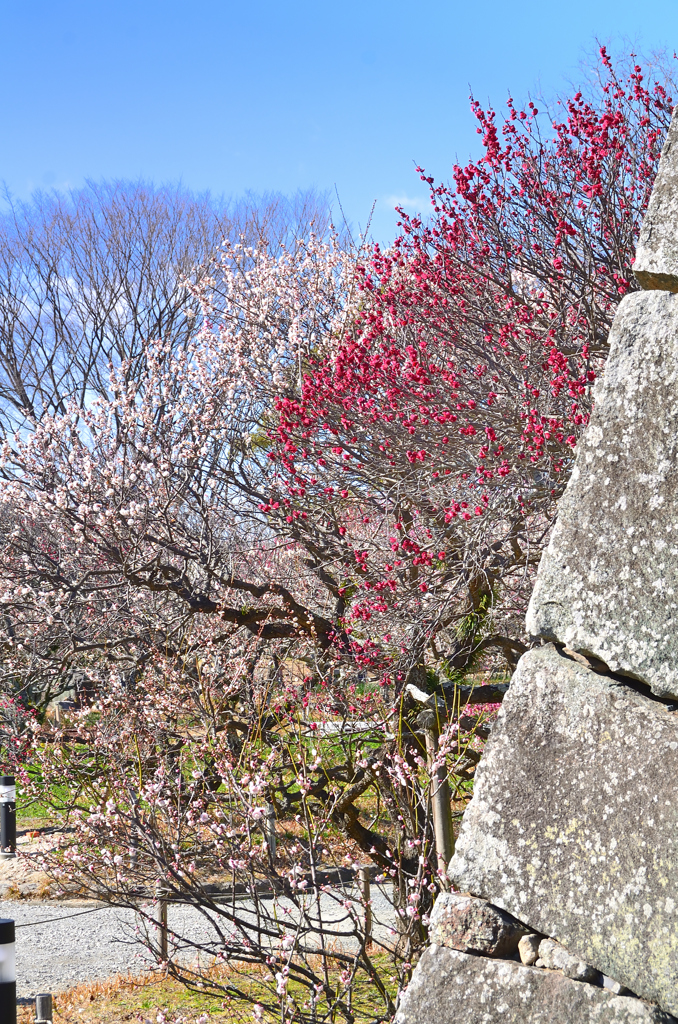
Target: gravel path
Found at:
x=56, y=949
x=67, y=950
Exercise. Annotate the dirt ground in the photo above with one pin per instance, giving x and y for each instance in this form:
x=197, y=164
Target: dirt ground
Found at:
x=21, y=878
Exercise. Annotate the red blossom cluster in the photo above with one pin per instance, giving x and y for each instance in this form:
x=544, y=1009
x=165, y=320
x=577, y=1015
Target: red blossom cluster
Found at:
x=437, y=435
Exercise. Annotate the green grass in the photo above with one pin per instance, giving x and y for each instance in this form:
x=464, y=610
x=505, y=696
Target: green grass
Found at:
x=152, y=998
x=40, y=810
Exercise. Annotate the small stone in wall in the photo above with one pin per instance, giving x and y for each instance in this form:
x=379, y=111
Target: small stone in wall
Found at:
x=473, y=925
x=615, y=987
x=528, y=949
x=556, y=958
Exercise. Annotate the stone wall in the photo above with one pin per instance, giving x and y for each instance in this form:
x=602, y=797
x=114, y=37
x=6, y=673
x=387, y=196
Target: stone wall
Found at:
x=567, y=860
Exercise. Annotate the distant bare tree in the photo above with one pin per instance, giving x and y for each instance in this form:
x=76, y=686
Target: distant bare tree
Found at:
x=87, y=277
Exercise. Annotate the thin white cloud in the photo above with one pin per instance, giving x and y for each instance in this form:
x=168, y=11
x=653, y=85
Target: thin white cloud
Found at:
x=407, y=202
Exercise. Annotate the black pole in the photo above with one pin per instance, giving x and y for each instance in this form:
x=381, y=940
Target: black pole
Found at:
x=7, y=816
x=7, y=972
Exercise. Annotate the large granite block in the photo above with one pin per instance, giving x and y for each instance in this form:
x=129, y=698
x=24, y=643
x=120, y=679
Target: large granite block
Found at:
x=449, y=987
x=656, y=262
x=608, y=581
x=573, y=825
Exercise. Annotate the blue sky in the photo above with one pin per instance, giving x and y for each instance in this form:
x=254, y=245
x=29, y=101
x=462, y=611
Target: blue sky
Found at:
x=230, y=96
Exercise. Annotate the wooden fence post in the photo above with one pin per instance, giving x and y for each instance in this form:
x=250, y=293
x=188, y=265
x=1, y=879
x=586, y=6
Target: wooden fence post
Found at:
x=440, y=797
x=270, y=831
x=43, y=1008
x=364, y=877
x=160, y=917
